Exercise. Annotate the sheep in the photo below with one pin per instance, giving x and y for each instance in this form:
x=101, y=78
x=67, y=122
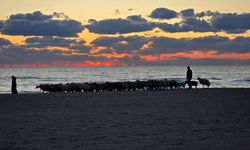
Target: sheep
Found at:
x=43, y=87
x=193, y=83
x=116, y=86
x=204, y=82
x=173, y=84
x=181, y=85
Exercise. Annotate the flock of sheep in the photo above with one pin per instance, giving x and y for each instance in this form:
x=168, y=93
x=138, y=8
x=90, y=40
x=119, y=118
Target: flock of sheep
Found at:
x=148, y=85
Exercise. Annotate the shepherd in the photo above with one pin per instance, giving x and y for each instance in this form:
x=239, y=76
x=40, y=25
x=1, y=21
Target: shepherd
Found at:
x=13, y=85
x=189, y=77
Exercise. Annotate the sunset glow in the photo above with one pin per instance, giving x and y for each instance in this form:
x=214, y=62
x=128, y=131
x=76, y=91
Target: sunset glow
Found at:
x=108, y=33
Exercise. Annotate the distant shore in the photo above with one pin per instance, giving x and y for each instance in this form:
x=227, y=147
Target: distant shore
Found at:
x=172, y=119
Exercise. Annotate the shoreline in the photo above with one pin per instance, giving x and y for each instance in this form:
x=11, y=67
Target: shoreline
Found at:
x=37, y=92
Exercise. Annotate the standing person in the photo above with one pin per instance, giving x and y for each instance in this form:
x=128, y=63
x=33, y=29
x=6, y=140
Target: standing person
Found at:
x=189, y=77
x=13, y=85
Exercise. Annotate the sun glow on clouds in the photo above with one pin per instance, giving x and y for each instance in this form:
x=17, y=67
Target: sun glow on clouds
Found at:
x=115, y=54
x=212, y=54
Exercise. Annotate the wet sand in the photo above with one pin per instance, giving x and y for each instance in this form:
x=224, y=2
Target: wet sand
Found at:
x=215, y=119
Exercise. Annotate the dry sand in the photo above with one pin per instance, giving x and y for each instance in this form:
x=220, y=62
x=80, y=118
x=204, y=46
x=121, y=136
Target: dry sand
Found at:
x=180, y=119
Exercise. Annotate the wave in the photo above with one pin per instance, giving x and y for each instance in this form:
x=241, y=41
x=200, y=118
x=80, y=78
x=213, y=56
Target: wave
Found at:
x=28, y=77
x=214, y=78
x=241, y=81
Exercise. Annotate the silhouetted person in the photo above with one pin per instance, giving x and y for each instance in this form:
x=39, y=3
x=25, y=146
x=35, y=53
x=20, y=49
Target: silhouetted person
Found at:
x=189, y=77
x=13, y=85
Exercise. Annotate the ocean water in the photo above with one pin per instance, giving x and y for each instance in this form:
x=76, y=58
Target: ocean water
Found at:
x=29, y=78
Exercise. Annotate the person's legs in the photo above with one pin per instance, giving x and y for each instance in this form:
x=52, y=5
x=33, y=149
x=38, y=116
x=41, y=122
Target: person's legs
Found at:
x=189, y=84
x=14, y=91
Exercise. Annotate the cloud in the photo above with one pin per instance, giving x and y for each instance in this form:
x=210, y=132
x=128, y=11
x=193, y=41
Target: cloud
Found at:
x=59, y=24
x=206, y=13
x=1, y=24
x=220, y=22
x=4, y=42
x=39, y=24
x=120, y=26
x=162, y=45
x=194, y=62
x=128, y=61
x=37, y=50
x=44, y=42
x=105, y=51
x=231, y=23
x=186, y=25
x=196, y=25
x=137, y=18
x=121, y=44
x=163, y=13
x=187, y=13
x=18, y=55
x=132, y=49
x=189, y=21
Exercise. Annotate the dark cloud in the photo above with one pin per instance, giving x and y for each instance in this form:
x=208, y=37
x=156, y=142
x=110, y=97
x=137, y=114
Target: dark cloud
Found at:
x=189, y=21
x=121, y=26
x=187, y=13
x=4, y=42
x=128, y=61
x=194, y=62
x=231, y=23
x=1, y=24
x=38, y=24
x=44, y=42
x=163, y=45
x=196, y=25
x=206, y=13
x=172, y=28
x=27, y=54
x=121, y=44
x=137, y=18
x=58, y=24
x=52, y=41
x=106, y=51
x=226, y=22
x=186, y=25
x=163, y=13
x=18, y=55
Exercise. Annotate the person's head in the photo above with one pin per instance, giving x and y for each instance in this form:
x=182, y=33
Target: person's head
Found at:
x=188, y=67
x=13, y=77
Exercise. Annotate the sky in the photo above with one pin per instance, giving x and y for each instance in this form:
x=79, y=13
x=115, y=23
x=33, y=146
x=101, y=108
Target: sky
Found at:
x=47, y=33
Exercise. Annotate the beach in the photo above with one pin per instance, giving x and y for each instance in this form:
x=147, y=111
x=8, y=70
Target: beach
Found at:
x=216, y=118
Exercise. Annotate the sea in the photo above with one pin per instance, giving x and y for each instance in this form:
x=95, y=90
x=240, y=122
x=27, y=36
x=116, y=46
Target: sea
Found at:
x=29, y=78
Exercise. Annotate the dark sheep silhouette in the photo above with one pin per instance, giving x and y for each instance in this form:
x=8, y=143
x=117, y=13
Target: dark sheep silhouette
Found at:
x=173, y=84
x=204, y=82
x=181, y=85
x=193, y=83
x=149, y=85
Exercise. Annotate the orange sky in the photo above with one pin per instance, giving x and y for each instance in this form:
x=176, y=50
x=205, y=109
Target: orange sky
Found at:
x=82, y=11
